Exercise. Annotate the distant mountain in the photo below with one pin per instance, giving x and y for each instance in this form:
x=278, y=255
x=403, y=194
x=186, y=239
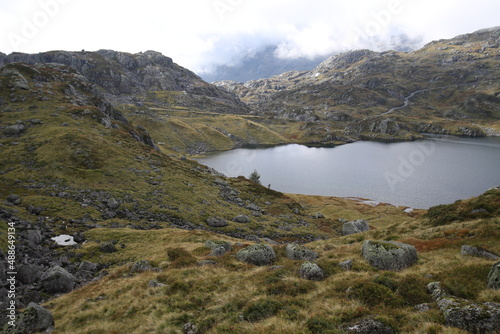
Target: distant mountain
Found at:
x=448, y=81
x=261, y=64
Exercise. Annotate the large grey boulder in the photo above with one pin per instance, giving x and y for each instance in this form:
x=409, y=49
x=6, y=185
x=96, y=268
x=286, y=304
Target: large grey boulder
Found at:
x=478, y=252
x=299, y=252
x=14, y=129
x=33, y=319
x=58, y=280
x=356, y=226
x=494, y=276
x=464, y=314
x=311, y=271
x=389, y=255
x=260, y=255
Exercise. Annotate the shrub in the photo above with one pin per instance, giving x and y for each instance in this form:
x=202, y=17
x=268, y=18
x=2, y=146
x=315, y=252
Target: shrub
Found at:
x=466, y=281
x=255, y=177
x=386, y=281
x=290, y=288
x=261, y=310
x=320, y=325
x=413, y=289
x=180, y=258
x=373, y=294
x=443, y=214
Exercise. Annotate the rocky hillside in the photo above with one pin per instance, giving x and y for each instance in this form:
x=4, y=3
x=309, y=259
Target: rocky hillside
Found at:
x=126, y=78
x=448, y=86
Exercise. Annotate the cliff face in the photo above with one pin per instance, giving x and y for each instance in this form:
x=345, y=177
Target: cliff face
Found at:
x=124, y=76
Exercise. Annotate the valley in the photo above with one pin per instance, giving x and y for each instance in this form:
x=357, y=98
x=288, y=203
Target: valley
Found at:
x=100, y=146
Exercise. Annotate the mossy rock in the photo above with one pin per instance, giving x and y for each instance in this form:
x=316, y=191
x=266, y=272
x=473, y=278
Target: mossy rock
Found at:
x=389, y=255
x=299, y=252
x=260, y=255
x=494, y=276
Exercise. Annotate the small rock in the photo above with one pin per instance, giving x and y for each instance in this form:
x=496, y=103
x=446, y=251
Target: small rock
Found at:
x=113, y=204
x=206, y=263
x=107, y=247
x=140, y=267
x=155, y=284
x=260, y=255
x=311, y=271
x=422, y=307
x=14, y=199
x=226, y=246
x=478, y=252
x=318, y=215
x=189, y=328
x=370, y=326
x=346, y=265
x=242, y=219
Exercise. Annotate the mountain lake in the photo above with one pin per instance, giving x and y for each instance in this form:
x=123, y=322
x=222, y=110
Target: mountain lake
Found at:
x=418, y=174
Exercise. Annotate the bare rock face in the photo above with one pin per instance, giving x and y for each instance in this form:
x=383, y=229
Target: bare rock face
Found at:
x=465, y=314
x=389, y=255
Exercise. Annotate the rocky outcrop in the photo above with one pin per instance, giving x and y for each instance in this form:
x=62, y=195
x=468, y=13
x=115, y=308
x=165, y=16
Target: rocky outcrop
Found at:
x=311, y=271
x=260, y=255
x=465, y=314
x=356, y=226
x=300, y=252
x=478, y=252
x=121, y=73
x=389, y=255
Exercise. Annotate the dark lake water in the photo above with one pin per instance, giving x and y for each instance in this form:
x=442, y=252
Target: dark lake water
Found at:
x=420, y=174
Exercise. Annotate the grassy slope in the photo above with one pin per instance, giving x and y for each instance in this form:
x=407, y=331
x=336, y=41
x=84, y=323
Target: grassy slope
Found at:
x=232, y=297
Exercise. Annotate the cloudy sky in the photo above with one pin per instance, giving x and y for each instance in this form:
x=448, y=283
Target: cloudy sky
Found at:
x=199, y=34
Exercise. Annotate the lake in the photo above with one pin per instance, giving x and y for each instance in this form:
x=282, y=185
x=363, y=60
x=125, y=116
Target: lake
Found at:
x=418, y=174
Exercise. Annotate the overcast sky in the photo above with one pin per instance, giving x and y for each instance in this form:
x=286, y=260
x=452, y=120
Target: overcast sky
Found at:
x=199, y=34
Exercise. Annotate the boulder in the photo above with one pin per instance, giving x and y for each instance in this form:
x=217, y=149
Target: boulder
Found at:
x=28, y=273
x=34, y=319
x=311, y=271
x=217, y=222
x=461, y=313
x=389, y=255
x=346, y=265
x=260, y=255
x=478, y=252
x=242, y=219
x=370, y=326
x=14, y=129
x=14, y=199
x=58, y=280
x=494, y=276
x=299, y=252
x=356, y=226
x=107, y=247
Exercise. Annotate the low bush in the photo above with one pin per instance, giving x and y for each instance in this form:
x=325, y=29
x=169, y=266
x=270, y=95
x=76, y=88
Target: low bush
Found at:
x=466, y=281
x=373, y=294
x=261, y=309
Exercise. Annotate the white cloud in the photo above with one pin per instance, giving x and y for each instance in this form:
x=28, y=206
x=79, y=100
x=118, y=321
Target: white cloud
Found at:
x=200, y=33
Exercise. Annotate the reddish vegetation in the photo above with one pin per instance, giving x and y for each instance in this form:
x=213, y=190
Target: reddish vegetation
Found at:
x=430, y=245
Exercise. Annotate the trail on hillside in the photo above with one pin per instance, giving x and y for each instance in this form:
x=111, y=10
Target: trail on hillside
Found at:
x=407, y=99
